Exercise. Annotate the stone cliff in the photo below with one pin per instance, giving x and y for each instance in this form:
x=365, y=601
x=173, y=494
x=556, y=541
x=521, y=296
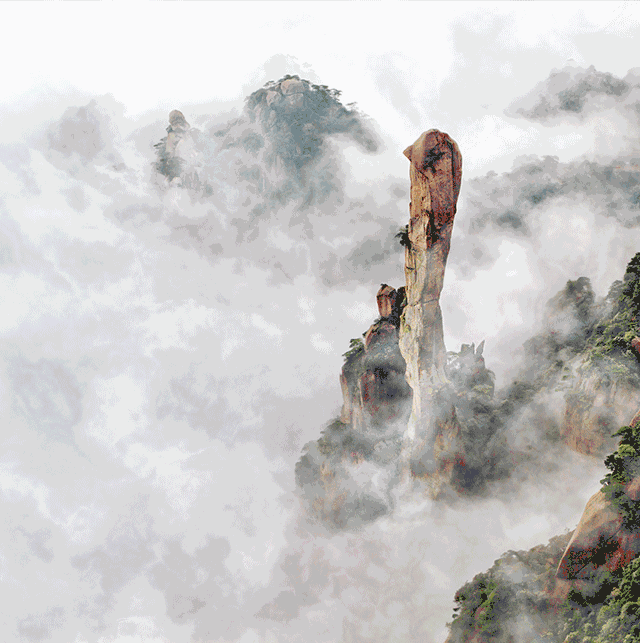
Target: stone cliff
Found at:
x=433, y=447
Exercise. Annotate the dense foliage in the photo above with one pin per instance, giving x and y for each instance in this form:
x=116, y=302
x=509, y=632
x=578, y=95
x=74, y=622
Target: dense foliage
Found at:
x=509, y=599
x=611, y=336
x=403, y=236
x=612, y=615
x=624, y=465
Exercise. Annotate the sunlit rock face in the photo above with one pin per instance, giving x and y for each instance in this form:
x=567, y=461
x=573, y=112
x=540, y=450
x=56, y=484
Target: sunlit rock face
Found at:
x=436, y=173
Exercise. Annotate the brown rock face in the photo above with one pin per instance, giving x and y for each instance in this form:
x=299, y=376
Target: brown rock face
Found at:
x=381, y=332
x=435, y=171
x=386, y=299
x=599, y=540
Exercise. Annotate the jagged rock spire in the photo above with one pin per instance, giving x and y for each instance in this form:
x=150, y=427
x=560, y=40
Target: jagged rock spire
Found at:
x=435, y=172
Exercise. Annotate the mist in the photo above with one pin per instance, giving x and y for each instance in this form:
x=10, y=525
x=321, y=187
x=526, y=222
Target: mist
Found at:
x=168, y=347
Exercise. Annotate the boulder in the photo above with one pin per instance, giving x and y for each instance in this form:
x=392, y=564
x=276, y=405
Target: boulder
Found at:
x=435, y=172
x=386, y=299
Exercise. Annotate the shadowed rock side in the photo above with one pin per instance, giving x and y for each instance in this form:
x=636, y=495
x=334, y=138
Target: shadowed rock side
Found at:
x=433, y=448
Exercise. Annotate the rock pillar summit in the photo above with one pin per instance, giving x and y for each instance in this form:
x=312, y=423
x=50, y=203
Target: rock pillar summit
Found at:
x=436, y=172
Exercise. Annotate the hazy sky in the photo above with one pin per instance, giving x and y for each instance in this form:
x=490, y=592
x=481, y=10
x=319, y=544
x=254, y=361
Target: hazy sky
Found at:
x=163, y=359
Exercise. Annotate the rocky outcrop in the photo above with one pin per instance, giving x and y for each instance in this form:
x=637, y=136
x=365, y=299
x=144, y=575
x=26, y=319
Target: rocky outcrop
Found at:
x=297, y=116
x=600, y=540
x=582, y=374
x=375, y=393
x=178, y=153
x=603, y=537
x=513, y=601
x=346, y=476
x=435, y=171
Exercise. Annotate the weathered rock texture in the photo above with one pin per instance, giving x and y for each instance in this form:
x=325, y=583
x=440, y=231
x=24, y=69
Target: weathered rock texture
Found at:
x=435, y=171
x=599, y=540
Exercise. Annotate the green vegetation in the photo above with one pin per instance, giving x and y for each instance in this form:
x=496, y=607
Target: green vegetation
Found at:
x=601, y=608
x=298, y=123
x=356, y=347
x=170, y=166
x=624, y=465
x=403, y=236
x=612, y=336
x=511, y=593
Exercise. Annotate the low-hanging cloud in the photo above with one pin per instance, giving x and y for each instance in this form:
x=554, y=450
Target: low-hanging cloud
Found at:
x=169, y=348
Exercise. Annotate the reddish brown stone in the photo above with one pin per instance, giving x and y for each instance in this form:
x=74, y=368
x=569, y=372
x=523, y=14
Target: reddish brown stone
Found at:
x=599, y=540
x=386, y=299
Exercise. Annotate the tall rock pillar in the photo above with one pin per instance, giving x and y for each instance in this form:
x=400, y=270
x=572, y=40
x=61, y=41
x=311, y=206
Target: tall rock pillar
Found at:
x=436, y=172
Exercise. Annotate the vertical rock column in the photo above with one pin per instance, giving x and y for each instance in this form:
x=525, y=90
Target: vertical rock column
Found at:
x=436, y=171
